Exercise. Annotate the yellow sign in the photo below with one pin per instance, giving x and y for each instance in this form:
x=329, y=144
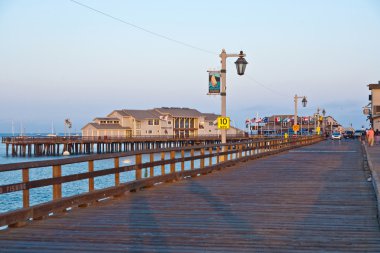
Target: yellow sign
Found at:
x=296, y=128
x=320, y=118
x=223, y=122
x=286, y=135
x=318, y=130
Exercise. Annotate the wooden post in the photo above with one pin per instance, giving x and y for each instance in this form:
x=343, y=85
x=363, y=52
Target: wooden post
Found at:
x=151, y=168
x=192, y=161
x=57, y=188
x=210, y=159
x=138, y=168
x=117, y=174
x=183, y=162
x=172, y=165
x=217, y=157
x=91, y=184
x=202, y=164
x=25, y=193
x=163, y=165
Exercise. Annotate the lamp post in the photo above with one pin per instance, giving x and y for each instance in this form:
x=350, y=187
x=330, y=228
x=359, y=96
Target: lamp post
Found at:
x=318, y=122
x=323, y=121
x=304, y=102
x=241, y=63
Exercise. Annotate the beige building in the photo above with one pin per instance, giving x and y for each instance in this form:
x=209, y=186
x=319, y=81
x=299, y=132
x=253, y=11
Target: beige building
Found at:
x=164, y=121
x=375, y=105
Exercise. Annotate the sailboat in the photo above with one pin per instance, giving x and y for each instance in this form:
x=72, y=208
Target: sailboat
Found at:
x=52, y=134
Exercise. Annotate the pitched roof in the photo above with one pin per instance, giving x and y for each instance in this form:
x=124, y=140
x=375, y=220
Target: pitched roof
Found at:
x=138, y=114
x=99, y=118
x=106, y=126
x=210, y=116
x=179, y=112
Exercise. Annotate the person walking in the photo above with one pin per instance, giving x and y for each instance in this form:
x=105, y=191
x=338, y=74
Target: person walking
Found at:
x=370, y=137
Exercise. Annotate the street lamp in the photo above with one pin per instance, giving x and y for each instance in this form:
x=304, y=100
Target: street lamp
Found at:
x=323, y=121
x=304, y=103
x=241, y=63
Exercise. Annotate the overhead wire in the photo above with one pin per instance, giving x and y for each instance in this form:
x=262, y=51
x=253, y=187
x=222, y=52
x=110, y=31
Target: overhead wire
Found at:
x=166, y=38
x=143, y=29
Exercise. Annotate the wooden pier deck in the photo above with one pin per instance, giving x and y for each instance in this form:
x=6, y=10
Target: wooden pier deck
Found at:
x=312, y=199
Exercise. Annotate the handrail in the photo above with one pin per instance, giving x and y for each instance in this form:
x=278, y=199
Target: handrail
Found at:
x=94, y=157
x=113, y=138
x=210, y=157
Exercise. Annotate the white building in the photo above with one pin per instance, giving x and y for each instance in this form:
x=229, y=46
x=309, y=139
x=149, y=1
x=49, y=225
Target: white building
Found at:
x=164, y=121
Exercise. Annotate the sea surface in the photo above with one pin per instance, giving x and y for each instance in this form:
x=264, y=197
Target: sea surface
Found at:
x=12, y=201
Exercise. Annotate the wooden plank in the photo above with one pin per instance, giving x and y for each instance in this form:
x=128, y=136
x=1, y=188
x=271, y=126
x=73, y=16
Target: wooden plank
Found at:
x=291, y=202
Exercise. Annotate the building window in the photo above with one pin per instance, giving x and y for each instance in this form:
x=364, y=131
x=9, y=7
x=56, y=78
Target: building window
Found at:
x=102, y=122
x=138, y=124
x=150, y=122
x=376, y=109
x=210, y=123
x=156, y=122
x=169, y=122
x=150, y=131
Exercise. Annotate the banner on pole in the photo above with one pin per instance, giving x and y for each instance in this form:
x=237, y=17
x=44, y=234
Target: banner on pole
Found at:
x=213, y=82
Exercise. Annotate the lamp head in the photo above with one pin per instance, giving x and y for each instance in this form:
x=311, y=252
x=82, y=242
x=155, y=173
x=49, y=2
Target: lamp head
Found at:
x=304, y=102
x=241, y=63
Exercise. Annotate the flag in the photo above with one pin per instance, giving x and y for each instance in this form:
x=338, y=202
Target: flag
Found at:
x=265, y=119
x=253, y=120
x=259, y=120
x=277, y=119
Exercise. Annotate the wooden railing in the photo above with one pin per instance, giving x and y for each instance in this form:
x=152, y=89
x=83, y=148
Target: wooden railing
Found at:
x=208, y=158
x=61, y=139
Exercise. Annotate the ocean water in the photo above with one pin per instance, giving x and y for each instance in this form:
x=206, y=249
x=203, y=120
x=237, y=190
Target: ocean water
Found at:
x=12, y=201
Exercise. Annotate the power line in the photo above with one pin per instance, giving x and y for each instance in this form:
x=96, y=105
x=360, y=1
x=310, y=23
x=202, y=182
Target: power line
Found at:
x=143, y=29
x=166, y=38
x=264, y=86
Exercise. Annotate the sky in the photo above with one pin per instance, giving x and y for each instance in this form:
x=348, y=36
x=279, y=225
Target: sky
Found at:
x=59, y=59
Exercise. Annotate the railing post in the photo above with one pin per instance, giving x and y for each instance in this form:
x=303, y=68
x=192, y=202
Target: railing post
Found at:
x=202, y=163
x=192, y=161
x=217, y=157
x=138, y=166
x=210, y=159
x=117, y=174
x=172, y=164
x=163, y=165
x=57, y=188
x=151, y=156
x=25, y=193
x=91, y=184
x=183, y=162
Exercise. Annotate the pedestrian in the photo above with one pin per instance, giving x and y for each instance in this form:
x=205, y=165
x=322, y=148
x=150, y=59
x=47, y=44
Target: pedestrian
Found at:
x=377, y=136
x=370, y=137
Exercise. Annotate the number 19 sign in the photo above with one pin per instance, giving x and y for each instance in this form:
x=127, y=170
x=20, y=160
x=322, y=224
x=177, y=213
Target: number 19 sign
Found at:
x=223, y=122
